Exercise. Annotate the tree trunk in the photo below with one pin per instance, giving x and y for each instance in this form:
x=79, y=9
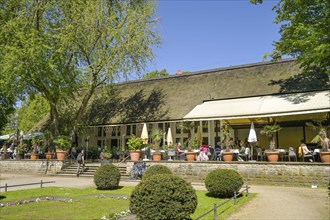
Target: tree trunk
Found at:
x=55, y=120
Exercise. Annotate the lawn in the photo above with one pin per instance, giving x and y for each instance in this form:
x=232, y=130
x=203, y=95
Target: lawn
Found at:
x=88, y=203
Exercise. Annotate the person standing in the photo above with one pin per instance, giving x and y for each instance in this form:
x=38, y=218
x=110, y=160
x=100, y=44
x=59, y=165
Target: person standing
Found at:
x=81, y=161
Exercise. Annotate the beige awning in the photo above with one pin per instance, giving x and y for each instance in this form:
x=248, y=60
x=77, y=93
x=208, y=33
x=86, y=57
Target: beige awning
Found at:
x=262, y=106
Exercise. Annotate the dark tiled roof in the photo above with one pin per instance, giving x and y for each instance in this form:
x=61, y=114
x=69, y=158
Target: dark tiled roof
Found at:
x=170, y=98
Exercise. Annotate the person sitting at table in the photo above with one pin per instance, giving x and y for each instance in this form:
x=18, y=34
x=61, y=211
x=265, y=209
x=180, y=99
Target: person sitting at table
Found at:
x=241, y=152
x=203, y=153
x=180, y=151
x=305, y=150
x=217, y=150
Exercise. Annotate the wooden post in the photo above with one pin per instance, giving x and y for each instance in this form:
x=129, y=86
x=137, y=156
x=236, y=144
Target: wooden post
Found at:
x=215, y=211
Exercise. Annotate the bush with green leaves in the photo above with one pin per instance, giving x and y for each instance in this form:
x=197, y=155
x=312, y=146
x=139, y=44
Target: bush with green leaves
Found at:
x=163, y=196
x=223, y=183
x=107, y=177
x=154, y=170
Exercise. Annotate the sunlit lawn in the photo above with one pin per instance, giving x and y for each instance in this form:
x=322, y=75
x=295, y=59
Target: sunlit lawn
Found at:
x=88, y=204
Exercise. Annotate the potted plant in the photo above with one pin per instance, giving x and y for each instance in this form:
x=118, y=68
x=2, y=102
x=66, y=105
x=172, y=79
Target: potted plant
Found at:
x=62, y=145
x=227, y=152
x=21, y=148
x=48, y=148
x=192, y=143
x=157, y=135
x=269, y=131
x=322, y=139
x=105, y=156
x=36, y=141
x=134, y=144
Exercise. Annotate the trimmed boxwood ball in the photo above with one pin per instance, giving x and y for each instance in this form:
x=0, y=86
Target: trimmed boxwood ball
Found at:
x=154, y=170
x=163, y=196
x=223, y=182
x=107, y=177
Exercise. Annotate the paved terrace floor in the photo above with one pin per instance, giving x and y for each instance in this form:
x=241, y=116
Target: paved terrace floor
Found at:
x=271, y=202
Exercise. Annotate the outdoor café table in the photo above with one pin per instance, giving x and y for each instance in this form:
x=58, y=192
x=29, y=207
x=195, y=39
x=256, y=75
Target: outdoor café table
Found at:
x=282, y=153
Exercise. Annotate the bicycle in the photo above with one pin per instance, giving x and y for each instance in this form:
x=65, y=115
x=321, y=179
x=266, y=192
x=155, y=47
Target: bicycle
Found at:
x=137, y=170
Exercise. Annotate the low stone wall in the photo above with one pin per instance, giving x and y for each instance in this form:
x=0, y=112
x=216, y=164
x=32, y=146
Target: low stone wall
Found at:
x=31, y=166
x=262, y=173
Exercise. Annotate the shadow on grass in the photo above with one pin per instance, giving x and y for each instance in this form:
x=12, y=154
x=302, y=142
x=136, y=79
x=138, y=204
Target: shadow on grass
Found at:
x=2, y=197
x=208, y=194
x=119, y=187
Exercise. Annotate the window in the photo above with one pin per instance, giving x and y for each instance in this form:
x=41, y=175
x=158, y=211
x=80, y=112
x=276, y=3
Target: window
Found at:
x=177, y=128
x=128, y=130
x=104, y=132
x=205, y=126
x=99, y=131
x=134, y=129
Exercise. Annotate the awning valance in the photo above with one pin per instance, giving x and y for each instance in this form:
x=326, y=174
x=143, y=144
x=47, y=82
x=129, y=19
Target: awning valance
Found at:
x=262, y=106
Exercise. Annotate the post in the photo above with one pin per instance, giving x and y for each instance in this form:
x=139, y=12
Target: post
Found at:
x=40, y=183
x=247, y=190
x=215, y=211
x=6, y=187
x=235, y=198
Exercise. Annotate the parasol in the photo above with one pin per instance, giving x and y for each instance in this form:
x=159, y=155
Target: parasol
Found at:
x=169, y=137
x=252, y=137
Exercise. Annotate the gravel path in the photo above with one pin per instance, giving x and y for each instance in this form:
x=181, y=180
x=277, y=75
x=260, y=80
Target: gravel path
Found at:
x=271, y=202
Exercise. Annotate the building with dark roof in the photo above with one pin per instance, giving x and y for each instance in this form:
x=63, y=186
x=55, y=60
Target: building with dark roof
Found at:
x=116, y=113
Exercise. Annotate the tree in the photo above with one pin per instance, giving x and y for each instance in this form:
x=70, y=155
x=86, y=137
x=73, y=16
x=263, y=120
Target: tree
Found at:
x=156, y=74
x=66, y=50
x=33, y=109
x=6, y=108
x=304, y=32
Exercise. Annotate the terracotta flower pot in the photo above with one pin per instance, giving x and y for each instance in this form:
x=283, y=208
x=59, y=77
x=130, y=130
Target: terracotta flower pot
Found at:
x=60, y=155
x=191, y=156
x=34, y=156
x=227, y=156
x=49, y=156
x=135, y=155
x=325, y=157
x=272, y=156
x=157, y=156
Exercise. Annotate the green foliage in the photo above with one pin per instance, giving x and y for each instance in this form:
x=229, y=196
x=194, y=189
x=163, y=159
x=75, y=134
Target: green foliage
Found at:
x=105, y=154
x=163, y=197
x=156, y=74
x=62, y=143
x=33, y=109
x=59, y=49
x=134, y=143
x=269, y=131
x=223, y=182
x=155, y=170
x=157, y=135
x=6, y=108
x=304, y=33
x=107, y=177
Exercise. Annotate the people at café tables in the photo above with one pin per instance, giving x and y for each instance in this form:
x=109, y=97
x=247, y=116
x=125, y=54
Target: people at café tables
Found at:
x=203, y=152
x=217, y=150
x=180, y=151
x=306, y=151
x=241, y=151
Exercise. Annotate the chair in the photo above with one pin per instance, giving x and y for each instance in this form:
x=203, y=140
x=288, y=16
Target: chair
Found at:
x=246, y=154
x=303, y=156
x=291, y=153
x=171, y=154
x=259, y=154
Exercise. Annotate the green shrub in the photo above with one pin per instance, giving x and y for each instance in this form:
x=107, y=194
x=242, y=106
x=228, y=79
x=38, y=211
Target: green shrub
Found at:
x=107, y=177
x=154, y=170
x=223, y=182
x=163, y=196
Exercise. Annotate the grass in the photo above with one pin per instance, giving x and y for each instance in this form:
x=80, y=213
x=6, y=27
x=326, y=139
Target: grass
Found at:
x=86, y=205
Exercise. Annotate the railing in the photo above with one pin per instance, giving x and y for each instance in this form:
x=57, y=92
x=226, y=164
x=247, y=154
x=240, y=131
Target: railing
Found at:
x=215, y=207
x=26, y=184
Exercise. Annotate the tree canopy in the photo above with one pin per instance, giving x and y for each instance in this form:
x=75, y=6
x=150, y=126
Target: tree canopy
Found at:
x=304, y=32
x=66, y=50
x=156, y=74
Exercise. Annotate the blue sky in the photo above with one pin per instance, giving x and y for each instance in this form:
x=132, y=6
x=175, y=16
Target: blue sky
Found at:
x=200, y=35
